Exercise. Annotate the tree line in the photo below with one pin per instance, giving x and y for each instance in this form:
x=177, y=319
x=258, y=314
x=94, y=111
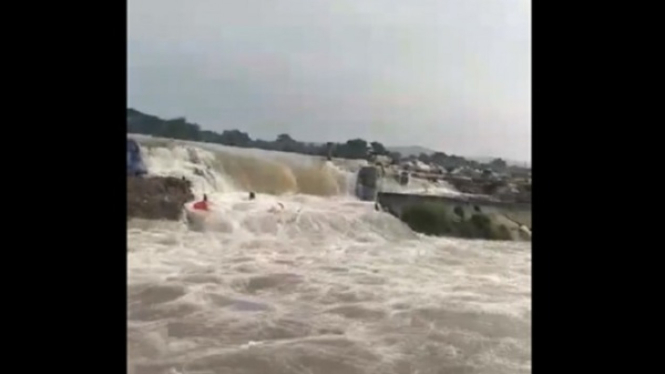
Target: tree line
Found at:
x=179, y=128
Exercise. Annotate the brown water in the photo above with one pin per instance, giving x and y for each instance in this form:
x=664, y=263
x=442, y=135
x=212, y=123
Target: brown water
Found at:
x=323, y=285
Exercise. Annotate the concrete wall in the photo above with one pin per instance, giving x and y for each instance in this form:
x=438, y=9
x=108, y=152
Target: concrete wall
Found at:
x=517, y=212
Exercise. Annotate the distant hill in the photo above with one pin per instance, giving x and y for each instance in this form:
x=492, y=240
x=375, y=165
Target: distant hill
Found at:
x=411, y=150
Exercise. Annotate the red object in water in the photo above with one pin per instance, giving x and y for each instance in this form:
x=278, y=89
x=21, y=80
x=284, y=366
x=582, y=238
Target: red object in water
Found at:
x=201, y=205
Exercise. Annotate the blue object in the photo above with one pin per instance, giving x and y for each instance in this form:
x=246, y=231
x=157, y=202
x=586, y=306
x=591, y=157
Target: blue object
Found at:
x=135, y=164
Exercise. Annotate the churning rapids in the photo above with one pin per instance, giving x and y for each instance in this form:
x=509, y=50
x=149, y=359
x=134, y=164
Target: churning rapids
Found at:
x=307, y=279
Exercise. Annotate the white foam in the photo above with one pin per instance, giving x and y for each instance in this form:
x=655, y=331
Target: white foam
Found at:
x=295, y=283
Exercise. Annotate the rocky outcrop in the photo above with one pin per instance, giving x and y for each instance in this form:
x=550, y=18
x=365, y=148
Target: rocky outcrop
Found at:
x=157, y=197
x=499, y=220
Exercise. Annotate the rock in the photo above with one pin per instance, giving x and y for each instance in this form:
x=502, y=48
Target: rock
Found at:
x=157, y=197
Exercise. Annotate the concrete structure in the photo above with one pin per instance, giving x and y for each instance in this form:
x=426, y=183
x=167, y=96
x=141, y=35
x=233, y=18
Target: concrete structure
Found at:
x=395, y=203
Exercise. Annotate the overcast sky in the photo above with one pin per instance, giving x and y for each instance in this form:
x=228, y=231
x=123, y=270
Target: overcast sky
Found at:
x=451, y=75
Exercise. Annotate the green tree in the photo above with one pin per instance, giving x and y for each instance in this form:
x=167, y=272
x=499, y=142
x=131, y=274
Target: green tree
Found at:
x=284, y=138
x=498, y=164
x=235, y=138
x=439, y=158
x=395, y=157
x=354, y=148
x=378, y=148
x=425, y=158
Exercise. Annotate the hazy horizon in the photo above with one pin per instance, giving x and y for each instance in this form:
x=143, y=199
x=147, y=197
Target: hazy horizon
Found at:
x=452, y=76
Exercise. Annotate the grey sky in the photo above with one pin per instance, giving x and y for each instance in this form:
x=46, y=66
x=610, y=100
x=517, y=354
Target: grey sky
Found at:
x=451, y=75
